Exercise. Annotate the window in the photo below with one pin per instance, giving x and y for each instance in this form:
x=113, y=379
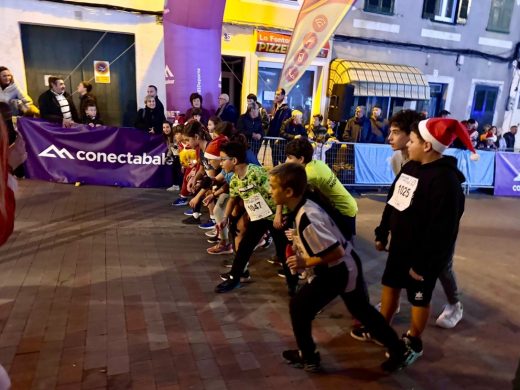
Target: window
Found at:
x=447, y=11
x=299, y=98
x=500, y=15
x=380, y=6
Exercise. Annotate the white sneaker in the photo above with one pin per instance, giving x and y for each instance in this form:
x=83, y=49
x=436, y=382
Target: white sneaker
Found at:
x=397, y=311
x=173, y=188
x=450, y=316
x=211, y=233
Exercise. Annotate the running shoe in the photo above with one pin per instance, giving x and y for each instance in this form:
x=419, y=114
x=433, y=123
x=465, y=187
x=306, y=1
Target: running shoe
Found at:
x=220, y=249
x=415, y=348
x=227, y=285
x=180, y=201
x=207, y=225
x=211, y=233
x=361, y=333
x=191, y=221
x=450, y=316
x=188, y=212
x=294, y=358
x=173, y=188
x=244, y=278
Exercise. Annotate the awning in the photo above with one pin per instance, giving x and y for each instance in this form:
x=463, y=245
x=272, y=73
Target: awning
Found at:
x=385, y=80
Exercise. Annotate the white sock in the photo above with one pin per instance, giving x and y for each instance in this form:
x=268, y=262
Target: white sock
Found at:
x=196, y=215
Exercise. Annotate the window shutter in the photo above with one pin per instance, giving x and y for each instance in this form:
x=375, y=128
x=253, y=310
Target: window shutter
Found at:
x=429, y=9
x=463, y=11
x=500, y=15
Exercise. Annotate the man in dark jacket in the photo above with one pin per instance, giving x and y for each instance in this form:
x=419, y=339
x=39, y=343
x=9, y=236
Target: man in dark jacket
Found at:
x=56, y=105
x=510, y=137
x=250, y=124
x=357, y=126
x=226, y=111
x=378, y=127
x=281, y=112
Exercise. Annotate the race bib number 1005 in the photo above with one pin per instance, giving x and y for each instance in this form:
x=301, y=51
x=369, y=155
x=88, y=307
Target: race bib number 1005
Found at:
x=403, y=192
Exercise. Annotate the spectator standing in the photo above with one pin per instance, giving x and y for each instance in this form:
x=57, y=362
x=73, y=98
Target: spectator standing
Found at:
x=251, y=100
x=293, y=127
x=196, y=102
x=85, y=98
x=56, y=105
x=148, y=118
x=357, y=127
x=250, y=124
x=152, y=91
x=11, y=94
x=281, y=112
x=316, y=131
x=378, y=127
x=510, y=137
x=226, y=111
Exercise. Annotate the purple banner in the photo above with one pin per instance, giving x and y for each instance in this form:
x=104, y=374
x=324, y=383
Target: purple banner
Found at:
x=507, y=176
x=192, y=51
x=103, y=155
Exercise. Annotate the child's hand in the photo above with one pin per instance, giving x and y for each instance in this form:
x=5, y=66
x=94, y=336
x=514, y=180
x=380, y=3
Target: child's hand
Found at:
x=278, y=221
x=289, y=234
x=415, y=275
x=296, y=262
x=193, y=202
x=379, y=246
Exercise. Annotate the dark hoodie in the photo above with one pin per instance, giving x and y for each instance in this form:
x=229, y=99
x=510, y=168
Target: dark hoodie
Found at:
x=424, y=234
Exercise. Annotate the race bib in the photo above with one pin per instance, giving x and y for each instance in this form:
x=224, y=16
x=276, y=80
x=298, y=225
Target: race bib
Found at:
x=257, y=207
x=403, y=192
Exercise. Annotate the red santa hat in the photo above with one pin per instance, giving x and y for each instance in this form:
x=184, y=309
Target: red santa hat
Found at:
x=441, y=132
x=212, y=151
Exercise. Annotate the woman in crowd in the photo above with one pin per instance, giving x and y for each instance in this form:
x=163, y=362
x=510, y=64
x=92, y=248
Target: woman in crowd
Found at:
x=173, y=137
x=10, y=93
x=148, y=118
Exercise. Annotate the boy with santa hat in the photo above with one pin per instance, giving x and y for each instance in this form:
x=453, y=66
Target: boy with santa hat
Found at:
x=424, y=207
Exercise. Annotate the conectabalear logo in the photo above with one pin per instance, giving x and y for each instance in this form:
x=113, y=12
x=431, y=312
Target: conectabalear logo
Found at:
x=112, y=158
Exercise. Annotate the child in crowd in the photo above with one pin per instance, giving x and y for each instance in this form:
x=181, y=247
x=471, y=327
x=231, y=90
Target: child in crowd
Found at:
x=198, y=139
x=188, y=159
x=91, y=117
x=424, y=207
x=250, y=184
x=213, y=122
x=173, y=138
x=323, y=251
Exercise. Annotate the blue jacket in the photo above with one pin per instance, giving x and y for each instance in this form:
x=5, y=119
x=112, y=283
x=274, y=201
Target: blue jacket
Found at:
x=228, y=113
x=281, y=115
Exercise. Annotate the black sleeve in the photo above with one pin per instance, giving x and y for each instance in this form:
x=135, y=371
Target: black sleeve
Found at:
x=140, y=121
x=47, y=109
x=383, y=230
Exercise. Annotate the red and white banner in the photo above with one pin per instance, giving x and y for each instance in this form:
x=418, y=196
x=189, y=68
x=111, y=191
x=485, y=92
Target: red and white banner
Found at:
x=317, y=21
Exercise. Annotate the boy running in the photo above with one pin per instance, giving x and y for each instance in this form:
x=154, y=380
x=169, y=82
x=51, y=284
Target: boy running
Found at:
x=323, y=252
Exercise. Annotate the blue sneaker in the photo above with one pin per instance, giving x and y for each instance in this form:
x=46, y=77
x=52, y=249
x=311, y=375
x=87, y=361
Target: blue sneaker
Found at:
x=180, y=202
x=207, y=225
x=188, y=212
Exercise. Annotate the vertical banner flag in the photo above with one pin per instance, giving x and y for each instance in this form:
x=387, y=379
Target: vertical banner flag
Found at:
x=317, y=21
x=192, y=51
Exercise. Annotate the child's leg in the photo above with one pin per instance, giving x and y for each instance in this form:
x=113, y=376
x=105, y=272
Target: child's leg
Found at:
x=389, y=302
x=184, y=190
x=420, y=315
x=309, y=300
x=177, y=171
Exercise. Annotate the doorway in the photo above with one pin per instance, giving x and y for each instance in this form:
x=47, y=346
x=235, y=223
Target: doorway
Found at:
x=70, y=53
x=232, y=69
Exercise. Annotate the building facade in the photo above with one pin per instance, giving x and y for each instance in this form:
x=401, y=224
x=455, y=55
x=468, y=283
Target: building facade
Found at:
x=467, y=51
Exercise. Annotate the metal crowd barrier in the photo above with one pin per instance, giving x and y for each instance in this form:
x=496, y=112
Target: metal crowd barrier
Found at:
x=339, y=156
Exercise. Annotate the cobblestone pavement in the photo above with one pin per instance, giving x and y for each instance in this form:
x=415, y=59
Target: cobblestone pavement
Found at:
x=103, y=287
